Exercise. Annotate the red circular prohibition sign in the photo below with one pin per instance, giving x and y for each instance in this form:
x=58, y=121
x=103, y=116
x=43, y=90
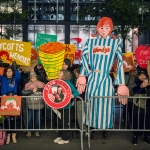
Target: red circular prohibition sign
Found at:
x=50, y=93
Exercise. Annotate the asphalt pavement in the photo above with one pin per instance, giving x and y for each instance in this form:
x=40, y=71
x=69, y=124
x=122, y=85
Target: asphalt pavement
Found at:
x=118, y=140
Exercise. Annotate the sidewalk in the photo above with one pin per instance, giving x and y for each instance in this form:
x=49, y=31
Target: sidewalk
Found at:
x=117, y=141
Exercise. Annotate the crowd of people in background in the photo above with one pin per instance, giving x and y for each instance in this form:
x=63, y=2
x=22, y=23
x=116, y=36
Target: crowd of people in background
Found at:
x=15, y=82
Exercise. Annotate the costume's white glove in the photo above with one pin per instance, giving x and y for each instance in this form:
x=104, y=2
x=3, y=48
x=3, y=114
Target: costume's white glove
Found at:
x=81, y=84
x=123, y=91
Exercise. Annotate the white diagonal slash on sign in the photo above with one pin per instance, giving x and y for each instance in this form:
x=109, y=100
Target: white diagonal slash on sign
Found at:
x=51, y=97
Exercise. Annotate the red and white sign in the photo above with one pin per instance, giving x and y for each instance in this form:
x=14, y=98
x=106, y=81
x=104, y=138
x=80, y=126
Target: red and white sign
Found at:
x=78, y=54
x=142, y=54
x=57, y=94
x=10, y=106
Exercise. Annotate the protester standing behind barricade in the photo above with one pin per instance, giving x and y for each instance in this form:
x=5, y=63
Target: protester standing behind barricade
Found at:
x=34, y=88
x=39, y=70
x=25, y=72
x=23, y=81
x=68, y=66
x=141, y=113
x=9, y=83
x=127, y=109
x=64, y=121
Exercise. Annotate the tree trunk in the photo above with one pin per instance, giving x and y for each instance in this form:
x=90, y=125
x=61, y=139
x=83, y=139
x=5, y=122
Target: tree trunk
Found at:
x=123, y=37
x=123, y=41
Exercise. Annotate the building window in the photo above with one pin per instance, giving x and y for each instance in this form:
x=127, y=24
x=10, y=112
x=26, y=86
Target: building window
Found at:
x=11, y=32
x=85, y=10
x=46, y=10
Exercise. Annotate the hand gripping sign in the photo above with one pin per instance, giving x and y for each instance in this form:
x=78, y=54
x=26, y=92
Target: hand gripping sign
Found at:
x=57, y=94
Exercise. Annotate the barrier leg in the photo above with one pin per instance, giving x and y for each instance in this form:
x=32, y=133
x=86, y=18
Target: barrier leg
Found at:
x=81, y=133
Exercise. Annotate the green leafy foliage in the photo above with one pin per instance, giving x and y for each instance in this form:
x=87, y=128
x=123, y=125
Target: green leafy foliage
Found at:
x=126, y=15
x=11, y=11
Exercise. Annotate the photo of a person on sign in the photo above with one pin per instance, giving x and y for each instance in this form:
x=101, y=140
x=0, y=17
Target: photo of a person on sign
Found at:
x=59, y=95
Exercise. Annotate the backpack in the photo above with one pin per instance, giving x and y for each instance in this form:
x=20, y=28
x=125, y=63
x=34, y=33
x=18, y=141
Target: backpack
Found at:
x=35, y=103
x=140, y=102
x=2, y=136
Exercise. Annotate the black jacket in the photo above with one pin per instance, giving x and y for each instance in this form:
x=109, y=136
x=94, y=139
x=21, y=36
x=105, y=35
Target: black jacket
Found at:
x=139, y=90
x=41, y=75
x=24, y=79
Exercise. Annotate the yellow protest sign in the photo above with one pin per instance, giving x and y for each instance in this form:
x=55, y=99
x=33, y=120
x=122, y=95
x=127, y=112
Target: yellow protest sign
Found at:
x=15, y=50
x=128, y=62
x=70, y=52
x=52, y=56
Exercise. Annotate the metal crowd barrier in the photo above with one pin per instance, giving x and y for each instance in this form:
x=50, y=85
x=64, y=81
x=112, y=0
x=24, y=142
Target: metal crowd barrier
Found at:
x=21, y=122
x=51, y=117
x=118, y=123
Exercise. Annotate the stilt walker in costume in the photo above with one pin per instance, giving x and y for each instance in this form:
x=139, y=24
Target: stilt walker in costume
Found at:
x=101, y=52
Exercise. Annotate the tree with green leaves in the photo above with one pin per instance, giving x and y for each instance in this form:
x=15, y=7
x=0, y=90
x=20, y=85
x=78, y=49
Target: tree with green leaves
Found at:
x=11, y=11
x=126, y=15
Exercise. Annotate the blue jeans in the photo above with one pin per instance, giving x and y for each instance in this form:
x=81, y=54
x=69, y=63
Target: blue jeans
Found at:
x=34, y=119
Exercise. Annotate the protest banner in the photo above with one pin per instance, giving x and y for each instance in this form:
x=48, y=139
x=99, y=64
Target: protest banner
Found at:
x=57, y=94
x=52, y=56
x=142, y=55
x=42, y=39
x=70, y=52
x=15, y=50
x=128, y=62
x=10, y=106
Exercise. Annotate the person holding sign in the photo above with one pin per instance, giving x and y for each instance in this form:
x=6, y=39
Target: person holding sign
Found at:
x=34, y=88
x=9, y=83
x=141, y=109
x=63, y=137
x=68, y=66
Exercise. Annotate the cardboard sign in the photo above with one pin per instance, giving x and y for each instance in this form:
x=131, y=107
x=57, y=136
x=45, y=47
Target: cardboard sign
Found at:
x=15, y=50
x=78, y=54
x=33, y=63
x=2, y=71
x=42, y=39
x=142, y=54
x=70, y=52
x=57, y=94
x=52, y=57
x=34, y=54
x=128, y=62
x=10, y=106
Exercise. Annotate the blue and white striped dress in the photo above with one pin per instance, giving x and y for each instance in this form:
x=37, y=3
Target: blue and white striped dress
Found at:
x=101, y=53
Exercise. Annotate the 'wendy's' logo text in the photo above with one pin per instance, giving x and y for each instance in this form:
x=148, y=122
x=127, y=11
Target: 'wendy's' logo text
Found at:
x=101, y=49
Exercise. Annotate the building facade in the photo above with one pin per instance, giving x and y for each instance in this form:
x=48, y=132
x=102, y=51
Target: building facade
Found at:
x=61, y=18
